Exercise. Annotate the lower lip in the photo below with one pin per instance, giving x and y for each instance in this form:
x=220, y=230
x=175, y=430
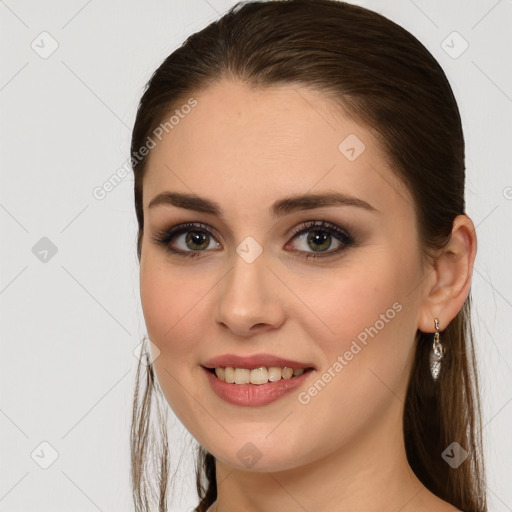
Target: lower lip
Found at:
x=254, y=395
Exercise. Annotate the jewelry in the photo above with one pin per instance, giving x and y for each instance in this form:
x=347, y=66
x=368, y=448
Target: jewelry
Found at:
x=436, y=354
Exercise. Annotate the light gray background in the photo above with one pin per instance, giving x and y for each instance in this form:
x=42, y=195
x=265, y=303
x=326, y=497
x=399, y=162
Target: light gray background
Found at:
x=69, y=325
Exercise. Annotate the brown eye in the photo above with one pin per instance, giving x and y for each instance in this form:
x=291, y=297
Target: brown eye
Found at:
x=319, y=241
x=196, y=240
x=188, y=239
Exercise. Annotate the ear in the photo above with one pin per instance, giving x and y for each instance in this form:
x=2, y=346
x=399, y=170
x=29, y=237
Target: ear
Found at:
x=448, y=284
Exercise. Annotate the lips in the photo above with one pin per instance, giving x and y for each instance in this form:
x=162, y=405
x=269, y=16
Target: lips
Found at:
x=254, y=361
x=252, y=395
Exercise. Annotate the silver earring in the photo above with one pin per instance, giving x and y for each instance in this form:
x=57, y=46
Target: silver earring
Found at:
x=437, y=353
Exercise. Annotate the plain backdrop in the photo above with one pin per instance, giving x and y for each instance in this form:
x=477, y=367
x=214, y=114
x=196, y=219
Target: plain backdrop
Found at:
x=71, y=75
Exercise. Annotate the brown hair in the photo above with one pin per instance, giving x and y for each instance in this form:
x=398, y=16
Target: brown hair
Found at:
x=385, y=78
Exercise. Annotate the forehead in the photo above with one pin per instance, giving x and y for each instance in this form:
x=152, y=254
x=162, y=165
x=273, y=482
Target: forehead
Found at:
x=266, y=142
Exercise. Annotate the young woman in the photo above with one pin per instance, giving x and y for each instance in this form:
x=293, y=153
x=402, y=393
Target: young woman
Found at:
x=305, y=268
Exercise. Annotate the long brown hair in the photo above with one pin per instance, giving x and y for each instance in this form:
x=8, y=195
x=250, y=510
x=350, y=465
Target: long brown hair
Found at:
x=385, y=78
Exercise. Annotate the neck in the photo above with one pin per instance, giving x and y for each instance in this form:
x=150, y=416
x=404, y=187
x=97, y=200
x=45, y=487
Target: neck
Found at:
x=369, y=473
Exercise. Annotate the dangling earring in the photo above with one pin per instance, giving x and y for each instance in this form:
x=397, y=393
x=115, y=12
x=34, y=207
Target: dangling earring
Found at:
x=437, y=353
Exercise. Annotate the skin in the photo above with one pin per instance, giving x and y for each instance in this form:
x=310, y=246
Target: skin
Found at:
x=245, y=148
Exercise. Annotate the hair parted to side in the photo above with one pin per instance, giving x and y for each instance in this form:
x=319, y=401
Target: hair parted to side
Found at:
x=386, y=79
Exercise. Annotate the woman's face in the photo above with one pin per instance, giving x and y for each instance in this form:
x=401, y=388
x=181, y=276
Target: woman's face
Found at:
x=245, y=280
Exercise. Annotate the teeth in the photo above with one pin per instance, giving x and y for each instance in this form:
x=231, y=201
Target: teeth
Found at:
x=257, y=376
x=242, y=376
x=274, y=373
x=229, y=374
x=221, y=373
x=287, y=373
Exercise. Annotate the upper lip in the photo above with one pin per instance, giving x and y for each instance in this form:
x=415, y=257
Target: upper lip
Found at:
x=254, y=361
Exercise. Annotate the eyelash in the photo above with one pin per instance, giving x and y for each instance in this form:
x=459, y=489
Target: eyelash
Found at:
x=166, y=235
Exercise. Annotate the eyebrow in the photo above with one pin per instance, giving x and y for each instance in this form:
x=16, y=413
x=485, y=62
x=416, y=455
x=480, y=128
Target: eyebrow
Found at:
x=280, y=208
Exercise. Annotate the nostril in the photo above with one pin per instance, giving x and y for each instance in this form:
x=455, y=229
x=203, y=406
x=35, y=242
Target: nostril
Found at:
x=258, y=326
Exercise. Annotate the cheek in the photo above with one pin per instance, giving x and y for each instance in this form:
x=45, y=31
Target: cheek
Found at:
x=165, y=299
x=174, y=302
x=157, y=302
x=171, y=306
x=350, y=299
x=364, y=314
x=366, y=360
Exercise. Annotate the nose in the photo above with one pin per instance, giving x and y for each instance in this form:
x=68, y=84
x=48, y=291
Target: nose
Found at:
x=248, y=300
